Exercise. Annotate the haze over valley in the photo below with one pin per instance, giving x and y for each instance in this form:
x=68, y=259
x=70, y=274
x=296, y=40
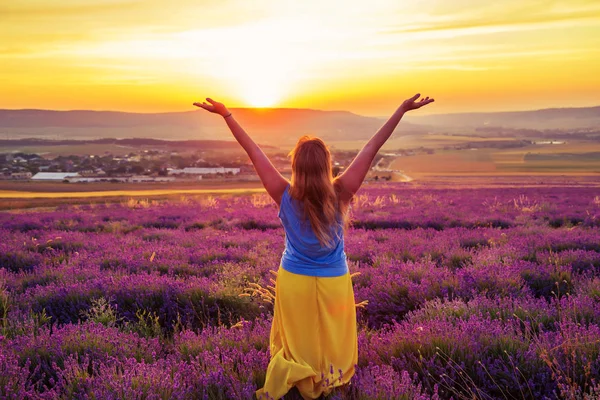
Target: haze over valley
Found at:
x=283, y=126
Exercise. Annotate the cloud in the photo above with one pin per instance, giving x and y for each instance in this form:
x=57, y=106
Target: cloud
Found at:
x=509, y=20
x=32, y=12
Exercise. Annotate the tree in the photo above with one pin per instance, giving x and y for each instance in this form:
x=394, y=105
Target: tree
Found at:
x=137, y=169
x=120, y=170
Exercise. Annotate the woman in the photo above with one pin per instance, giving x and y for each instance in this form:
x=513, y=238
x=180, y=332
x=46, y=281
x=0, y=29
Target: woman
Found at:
x=313, y=341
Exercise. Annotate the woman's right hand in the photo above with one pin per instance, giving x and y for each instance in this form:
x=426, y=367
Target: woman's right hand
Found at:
x=412, y=104
x=213, y=107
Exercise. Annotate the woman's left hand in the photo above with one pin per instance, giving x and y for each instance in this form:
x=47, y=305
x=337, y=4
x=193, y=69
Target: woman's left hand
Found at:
x=213, y=107
x=413, y=104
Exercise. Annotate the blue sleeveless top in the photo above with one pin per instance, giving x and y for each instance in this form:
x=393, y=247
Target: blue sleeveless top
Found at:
x=303, y=253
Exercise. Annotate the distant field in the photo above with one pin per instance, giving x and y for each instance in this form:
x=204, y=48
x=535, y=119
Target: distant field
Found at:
x=58, y=187
x=433, y=141
x=575, y=158
x=19, y=195
x=50, y=196
x=118, y=193
x=67, y=150
x=102, y=149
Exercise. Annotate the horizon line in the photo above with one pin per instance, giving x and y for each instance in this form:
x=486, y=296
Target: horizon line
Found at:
x=296, y=108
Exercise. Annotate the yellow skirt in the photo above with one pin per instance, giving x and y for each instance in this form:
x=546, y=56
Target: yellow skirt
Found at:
x=313, y=340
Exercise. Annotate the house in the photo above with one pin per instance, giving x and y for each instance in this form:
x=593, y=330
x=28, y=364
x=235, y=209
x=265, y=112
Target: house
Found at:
x=204, y=171
x=145, y=178
x=21, y=175
x=53, y=176
x=131, y=179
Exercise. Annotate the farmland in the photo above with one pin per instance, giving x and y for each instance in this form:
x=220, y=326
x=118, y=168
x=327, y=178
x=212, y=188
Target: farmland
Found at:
x=534, y=159
x=487, y=290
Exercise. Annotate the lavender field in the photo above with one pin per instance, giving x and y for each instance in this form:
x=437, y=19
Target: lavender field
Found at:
x=479, y=293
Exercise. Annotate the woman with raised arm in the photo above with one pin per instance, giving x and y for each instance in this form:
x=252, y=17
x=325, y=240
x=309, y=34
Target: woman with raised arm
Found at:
x=313, y=341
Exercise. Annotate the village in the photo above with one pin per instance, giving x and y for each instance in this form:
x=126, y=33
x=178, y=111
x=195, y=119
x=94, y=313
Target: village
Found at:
x=135, y=167
x=144, y=166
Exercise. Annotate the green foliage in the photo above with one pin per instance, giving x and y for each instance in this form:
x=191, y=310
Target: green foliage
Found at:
x=161, y=224
x=4, y=306
x=40, y=319
x=101, y=311
x=153, y=237
x=252, y=224
x=474, y=243
x=195, y=226
x=147, y=324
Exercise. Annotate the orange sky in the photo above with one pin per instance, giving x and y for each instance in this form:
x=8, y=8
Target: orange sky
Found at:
x=361, y=56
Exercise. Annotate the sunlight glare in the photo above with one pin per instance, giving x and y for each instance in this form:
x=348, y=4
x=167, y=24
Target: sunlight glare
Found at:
x=263, y=69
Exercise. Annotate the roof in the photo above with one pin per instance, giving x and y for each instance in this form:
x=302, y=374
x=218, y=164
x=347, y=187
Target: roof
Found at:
x=51, y=176
x=201, y=170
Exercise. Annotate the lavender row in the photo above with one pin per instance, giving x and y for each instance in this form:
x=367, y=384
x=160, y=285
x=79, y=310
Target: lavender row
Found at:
x=390, y=206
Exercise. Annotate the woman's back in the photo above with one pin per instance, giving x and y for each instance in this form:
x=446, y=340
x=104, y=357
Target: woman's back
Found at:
x=304, y=254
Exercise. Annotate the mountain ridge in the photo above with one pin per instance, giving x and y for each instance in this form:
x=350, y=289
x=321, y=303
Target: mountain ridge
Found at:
x=279, y=125
x=521, y=119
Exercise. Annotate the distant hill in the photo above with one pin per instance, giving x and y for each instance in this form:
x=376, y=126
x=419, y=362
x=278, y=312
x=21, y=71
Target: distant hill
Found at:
x=276, y=125
x=131, y=142
x=549, y=118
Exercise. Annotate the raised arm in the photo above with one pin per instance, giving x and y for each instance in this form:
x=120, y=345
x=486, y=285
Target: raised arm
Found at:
x=353, y=177
x=271, y=179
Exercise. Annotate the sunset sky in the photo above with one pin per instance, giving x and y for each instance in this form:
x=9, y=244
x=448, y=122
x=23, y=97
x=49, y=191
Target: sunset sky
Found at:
x=360, y=56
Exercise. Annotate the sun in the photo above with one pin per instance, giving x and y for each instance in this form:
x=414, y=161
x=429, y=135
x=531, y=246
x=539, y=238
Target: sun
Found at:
x=261, y=70
x=260, y=64
x=260, y=93
x=261, y=79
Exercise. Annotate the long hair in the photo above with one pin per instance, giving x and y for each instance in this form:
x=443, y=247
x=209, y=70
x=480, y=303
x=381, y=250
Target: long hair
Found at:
x=313, y=184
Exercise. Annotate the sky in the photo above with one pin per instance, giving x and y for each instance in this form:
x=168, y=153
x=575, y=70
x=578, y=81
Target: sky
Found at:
x=359, y=56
